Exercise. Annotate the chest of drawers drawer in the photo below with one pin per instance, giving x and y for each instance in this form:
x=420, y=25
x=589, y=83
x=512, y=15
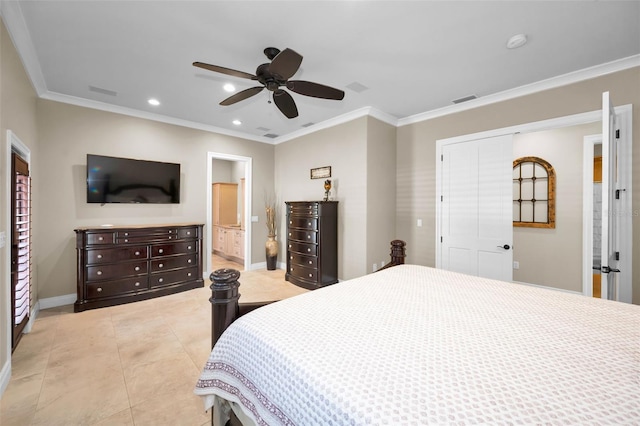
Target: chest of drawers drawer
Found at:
x=117, y=287
x=300, y=260
x=307, y=223
x=111, y=271
x=116, y=254
x=310, y=274
x=96, y=238
x=160, y=279
x=173, y=248
x=303, y=236
x=168, y=263
x=302, y=248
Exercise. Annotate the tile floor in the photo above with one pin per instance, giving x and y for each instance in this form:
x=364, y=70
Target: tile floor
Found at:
x=134, y=364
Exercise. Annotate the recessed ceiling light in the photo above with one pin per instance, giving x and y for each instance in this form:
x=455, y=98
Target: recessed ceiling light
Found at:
x=237, y=122
x=516, y=41
x=153, y=102
x=229, y=87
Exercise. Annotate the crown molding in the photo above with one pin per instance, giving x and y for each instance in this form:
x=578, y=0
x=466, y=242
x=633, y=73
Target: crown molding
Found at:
x=19, y=34
x=341, y=119
x=102, y=106
x=550, y=83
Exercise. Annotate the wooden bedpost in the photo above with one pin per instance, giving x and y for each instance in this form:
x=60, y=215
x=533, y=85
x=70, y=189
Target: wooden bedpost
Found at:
x=398, y=252
x=224, y=301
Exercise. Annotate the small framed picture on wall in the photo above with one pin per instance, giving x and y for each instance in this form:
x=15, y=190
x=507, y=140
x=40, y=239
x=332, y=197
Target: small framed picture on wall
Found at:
x=321, y=172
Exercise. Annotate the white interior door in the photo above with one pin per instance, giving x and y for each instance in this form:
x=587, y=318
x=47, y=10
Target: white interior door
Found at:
x=477, y=223
x=609, y=215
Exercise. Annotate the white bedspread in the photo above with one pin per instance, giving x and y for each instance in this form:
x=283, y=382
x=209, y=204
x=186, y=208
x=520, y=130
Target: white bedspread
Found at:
x=414, y=345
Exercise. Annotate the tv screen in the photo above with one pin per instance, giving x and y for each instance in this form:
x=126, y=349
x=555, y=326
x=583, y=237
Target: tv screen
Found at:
x=125, y=180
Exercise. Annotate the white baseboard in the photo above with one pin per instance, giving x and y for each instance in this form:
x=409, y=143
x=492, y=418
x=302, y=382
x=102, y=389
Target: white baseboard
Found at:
x=5, y=376
x=263, y=265
x=54, y=302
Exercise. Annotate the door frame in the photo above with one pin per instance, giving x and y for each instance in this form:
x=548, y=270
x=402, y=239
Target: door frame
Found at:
x=248, y=182
x=624, y=115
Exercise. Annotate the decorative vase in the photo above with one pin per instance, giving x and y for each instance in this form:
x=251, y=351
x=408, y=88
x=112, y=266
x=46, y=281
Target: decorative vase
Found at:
x=271, y=251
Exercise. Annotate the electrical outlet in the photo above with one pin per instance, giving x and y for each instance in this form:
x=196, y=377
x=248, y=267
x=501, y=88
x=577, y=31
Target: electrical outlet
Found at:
x=375, y=267
x=254, y=218
x=419, y=223
x=382, y=263
x=516, y=264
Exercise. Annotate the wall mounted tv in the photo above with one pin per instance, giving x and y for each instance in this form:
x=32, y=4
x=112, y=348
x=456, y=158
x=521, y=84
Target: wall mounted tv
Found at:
x=125, y=180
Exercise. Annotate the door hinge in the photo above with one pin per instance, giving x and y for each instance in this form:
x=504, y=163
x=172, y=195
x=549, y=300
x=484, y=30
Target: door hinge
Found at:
x=440, y=239
x=617, y=255
x=441, y=157
x=617, y=194
x=441, y=198
x=617, y=133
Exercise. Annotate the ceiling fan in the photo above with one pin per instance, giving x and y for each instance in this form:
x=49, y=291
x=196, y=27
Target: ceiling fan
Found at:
x=273, y=76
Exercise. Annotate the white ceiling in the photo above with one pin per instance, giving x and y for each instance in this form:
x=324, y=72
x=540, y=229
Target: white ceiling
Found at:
x=413, y=56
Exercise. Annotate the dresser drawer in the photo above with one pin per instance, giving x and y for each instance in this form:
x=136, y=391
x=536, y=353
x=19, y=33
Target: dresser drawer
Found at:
x=100, y=238
x=168, y=263
x=303, y=236
x=185, y=233
x=308, y=223
x=175, y=248
x=303, y=248
x=310, y=274
x=160, y=279
x=115, y=255
x=304, y=208
x=300, y=260
x=114, y=288
x=109, y=272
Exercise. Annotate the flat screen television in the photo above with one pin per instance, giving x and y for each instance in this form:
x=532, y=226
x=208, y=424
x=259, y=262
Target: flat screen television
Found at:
x=125, y=180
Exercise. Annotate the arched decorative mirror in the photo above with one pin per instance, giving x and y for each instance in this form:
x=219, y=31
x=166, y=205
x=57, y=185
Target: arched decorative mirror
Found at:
x=533, y=193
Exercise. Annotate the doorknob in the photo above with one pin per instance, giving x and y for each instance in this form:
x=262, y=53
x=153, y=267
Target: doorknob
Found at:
x=506, y=247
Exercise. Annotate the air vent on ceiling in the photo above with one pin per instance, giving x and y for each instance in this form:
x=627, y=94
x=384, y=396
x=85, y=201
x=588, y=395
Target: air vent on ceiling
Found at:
x=465, y=99
x=271, y=135
x=357, y=87
x=264, y=129
x=103, y=91
x=308, y=124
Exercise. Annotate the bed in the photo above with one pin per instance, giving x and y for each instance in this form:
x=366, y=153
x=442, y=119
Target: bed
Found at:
x=416, y=345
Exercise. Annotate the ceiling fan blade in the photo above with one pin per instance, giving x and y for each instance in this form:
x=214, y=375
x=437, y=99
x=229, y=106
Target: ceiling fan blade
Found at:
x=224, y=70
x=285, y=64
x=316, y=90
x=285, y=103
x=241, y=96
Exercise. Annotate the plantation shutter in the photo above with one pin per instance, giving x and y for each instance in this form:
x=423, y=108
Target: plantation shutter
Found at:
x=21, y=246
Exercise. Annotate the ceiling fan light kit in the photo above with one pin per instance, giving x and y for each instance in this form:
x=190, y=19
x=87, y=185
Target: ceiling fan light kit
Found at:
x=273, y=76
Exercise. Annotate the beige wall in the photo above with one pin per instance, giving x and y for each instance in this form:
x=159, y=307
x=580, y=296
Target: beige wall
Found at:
x=68, y=133
x=343, y=148
x=381, y=191
x=416, y=145
x=537, y=249
x=17, y=113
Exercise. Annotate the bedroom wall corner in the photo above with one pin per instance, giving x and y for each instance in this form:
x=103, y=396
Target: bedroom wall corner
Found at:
x=381, y=191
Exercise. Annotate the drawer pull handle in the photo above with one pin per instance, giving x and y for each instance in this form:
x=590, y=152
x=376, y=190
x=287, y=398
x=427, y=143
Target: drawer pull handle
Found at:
x=308, y=237
x=170, y=237
x=160, y=251
x=100, y=238
x=160, y=280
x=188, y=232
x=309, y=224
x=310, y=262
x=126, y=234
x=189, y=261
x=290, y=222
x=189, y=248
x=137, y=268
x=289, y=233
x=137, y=284
x=99, y=289
x=310, y=275
x=189, y=274
x=126, y=240
x=289, y=245
x=292, y=269
x=160, y=265
x=309, y=250
x=137, y=253
x=291, y=257
x=99, y=256
x=99, y=273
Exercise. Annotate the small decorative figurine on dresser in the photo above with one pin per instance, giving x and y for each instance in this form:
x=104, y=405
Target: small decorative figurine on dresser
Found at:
x=327, y=189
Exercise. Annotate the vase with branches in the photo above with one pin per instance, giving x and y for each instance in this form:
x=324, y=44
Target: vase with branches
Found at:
x=271, y=246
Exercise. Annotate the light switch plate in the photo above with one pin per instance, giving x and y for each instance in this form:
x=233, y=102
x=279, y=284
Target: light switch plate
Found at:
x=254, y=218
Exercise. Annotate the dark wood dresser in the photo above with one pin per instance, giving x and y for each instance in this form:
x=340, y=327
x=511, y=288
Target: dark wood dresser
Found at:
x=312, y=243
x=125, y=264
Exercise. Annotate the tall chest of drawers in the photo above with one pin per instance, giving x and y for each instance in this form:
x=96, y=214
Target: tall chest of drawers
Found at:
x=312, y=243
x=125, y=264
